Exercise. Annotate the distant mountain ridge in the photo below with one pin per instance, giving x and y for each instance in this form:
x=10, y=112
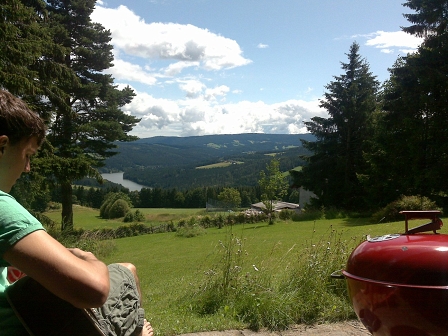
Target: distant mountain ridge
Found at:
x=253, y=140
x=163, y=151
x=168, y=161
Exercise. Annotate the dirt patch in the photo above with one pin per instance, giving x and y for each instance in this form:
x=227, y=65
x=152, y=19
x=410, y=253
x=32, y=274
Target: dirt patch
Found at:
x=347, y=328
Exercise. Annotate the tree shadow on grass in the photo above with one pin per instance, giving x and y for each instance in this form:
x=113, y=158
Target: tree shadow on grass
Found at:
x=255, y=227
x=351, y=222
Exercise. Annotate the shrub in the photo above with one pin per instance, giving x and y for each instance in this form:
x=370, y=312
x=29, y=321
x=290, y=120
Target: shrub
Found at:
x=85, y=241
x=189, y=231
x=109, y=200
x=136, y=216
x=218, y=221
x=129, y=217
x=139, y=216
x=286, y=214
x=391, y=212
x=170, y=227
x=118, y=209
x=308, y=214
x=205, y=221
x=54, y=206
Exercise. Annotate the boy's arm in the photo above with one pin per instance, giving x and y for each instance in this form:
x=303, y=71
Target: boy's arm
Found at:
x=72, y=274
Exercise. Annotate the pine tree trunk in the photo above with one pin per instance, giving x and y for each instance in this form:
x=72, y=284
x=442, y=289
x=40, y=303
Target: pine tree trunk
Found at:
x=67, y=206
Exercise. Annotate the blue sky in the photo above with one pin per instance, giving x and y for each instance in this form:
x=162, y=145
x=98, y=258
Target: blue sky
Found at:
x=240, y=66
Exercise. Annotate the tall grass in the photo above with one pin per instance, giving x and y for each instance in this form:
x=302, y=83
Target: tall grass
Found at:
x=252, y=294
x=256, y=268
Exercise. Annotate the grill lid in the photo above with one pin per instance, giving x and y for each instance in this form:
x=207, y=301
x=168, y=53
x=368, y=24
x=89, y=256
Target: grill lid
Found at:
x=413, y=258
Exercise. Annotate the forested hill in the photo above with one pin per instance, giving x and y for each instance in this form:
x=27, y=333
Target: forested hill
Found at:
x=171, y=162
x=157, y=152
x=232, y=142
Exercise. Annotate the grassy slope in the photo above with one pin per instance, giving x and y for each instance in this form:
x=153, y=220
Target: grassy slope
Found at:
x=88, y=218
x=171, y=266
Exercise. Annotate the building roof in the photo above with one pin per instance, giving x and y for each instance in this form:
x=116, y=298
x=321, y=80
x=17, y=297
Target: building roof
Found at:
x=278, y=205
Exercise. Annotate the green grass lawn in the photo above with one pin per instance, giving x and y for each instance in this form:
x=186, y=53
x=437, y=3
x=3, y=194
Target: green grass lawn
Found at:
x=88, y=218
x=171, y=266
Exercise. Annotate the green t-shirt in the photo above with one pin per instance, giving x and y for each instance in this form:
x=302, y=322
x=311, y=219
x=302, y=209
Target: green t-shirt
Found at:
x=15, y=223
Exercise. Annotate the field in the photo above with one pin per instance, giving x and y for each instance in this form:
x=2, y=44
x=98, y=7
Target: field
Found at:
x=219, y=164
x=89, y=218
x=172, y=267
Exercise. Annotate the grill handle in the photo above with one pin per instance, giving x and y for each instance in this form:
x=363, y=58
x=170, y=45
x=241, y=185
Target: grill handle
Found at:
x=435, y=224
x=337, y=275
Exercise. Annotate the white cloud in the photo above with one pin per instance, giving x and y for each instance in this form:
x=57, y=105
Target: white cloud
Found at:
x=155, y=113
x=262, y=46
x=213, y=94
x=387, y=41
x=200, y=116
x=150, y=52
x=176, y=68
x=173, y=42
x=191, y=87
x=407, y=51
x=126, y=71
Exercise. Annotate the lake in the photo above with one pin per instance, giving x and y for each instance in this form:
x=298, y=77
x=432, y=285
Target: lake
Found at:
x=118, y=178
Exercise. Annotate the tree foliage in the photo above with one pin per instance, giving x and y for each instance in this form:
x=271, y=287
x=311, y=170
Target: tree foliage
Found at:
x=415, y=117
x=230, y=197
x=89, y=119
x=53, y=56
x=273, y=186
x=337, y=161
x=115, y=205
x=23, y=41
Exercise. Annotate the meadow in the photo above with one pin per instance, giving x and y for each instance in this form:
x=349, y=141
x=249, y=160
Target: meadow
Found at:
x=176, y=273
x=220, y=164
x=89, y=219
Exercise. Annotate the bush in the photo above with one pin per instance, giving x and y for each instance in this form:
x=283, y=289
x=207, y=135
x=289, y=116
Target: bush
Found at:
x=136, y=216
x=307, y=215
x=139, y=216
x=109, y=200
x=391, y=212
x=85, y=241
x=286, y=214
x=118, y=209
x=205, y=221
x=129, y=217
x=190, y=230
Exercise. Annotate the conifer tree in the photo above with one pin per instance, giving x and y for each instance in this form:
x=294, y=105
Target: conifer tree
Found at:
x=88, y=120
x=22, y=40
x=25, y=46
x=333, y=170
x=415, y=120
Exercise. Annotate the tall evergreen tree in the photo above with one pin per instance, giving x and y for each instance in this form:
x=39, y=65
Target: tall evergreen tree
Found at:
x=22, y=43
x=430, y=20
x=26, y=45
x=416, y=105
x=87, y=121
x=337, y=161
